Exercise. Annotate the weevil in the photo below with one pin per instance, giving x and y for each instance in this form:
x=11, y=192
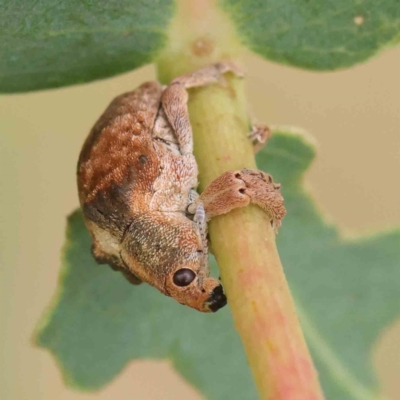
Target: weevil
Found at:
x=137, y=180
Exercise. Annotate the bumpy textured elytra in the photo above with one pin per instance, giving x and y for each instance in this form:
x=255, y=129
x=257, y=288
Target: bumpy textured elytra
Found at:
x=137, y=180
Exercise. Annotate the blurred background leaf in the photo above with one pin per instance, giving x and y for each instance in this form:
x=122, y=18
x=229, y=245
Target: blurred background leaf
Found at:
x=49, y=43
x=346, y=292
x=316, y=34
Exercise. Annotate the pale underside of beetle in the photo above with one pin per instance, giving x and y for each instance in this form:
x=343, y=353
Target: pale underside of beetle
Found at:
x=137, y=179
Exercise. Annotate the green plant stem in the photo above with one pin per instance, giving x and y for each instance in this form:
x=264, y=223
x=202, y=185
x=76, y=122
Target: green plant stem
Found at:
x=243, y=240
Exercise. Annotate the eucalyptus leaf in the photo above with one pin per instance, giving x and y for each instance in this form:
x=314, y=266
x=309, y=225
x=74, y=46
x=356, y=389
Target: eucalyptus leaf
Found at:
x=346, y=291
x=49, y=43
x=316, y=34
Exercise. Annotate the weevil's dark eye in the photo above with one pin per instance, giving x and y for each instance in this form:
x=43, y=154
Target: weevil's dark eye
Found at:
x=184, y=277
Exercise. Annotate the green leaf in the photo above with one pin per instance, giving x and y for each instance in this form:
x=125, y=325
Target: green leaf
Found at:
x=346, y=292
x=48, y=43
x=316, y=34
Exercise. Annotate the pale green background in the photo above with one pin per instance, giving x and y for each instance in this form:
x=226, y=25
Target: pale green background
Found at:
x=354, y=115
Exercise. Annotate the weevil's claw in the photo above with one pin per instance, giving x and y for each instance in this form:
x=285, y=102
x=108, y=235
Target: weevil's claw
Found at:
x=259, y=136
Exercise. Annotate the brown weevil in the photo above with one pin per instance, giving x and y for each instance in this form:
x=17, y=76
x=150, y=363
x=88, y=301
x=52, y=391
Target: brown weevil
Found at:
x=137, y=179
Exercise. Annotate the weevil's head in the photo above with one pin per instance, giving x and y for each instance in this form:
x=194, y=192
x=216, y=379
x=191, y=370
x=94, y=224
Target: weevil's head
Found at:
x=187, y=272
x=190, y=285
x=168, y=252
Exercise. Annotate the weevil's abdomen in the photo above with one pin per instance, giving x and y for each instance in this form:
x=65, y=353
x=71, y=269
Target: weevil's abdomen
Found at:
x=118, y=163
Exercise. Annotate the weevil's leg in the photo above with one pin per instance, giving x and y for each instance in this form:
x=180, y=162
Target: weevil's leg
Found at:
x=115, y=262
x=207, y=75
x=265, y=193
x=117, y=265
x=132, y=278
x=193, y=195
x=235, y=189
x=259, y=135
x=222, y=195
x=128, y=274
x=201, y=221
x=174, y=99
x=174, y=102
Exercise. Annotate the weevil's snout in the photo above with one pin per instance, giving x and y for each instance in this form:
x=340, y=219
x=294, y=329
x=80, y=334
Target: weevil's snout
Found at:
x=194, y=290
x=217, y=299
x=213, y=296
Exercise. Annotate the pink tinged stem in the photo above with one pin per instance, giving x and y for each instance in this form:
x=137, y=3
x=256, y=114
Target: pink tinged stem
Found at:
x=243, y=240
x=245, y=248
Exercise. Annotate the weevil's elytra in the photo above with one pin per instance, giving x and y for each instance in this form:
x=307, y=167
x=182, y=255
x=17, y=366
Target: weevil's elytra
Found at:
x=137, y=180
